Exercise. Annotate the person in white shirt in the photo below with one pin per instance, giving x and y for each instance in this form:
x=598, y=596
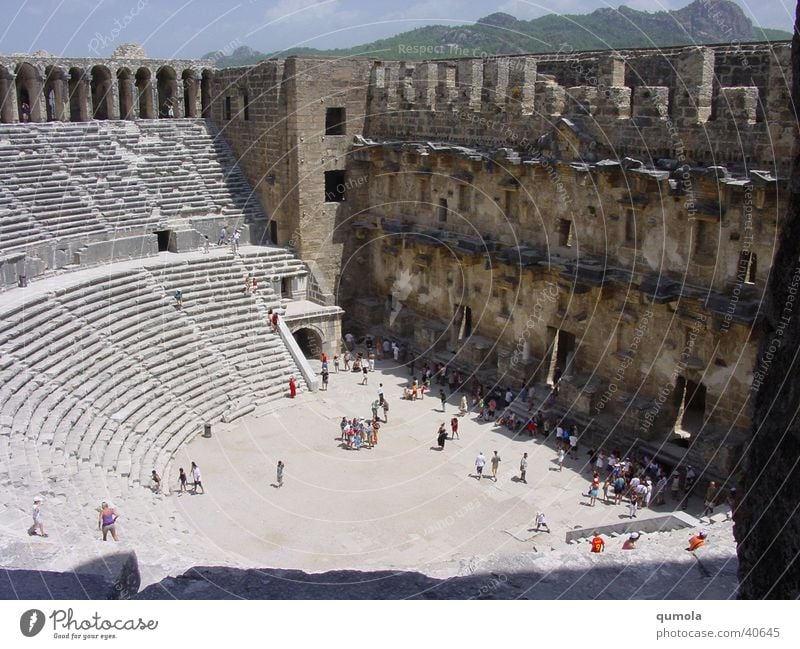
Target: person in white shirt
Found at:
x=198, y=479
x=523, y=468
x=38, y=525
x=480, y=462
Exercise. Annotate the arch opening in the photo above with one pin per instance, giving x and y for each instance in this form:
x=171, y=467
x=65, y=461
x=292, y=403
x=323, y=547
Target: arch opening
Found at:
x=77, y=96
x=309, y=341
x=189, y=78
x=167, y=86
x=144, y=89
x=205, y=93
x=29, y=93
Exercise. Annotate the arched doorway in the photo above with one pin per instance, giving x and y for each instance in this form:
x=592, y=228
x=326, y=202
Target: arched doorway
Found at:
x=205, y=93
x=167, y=83
x=309, y=341
x=29, y=93
x=144, y=88
x=102, y=94
x=189, y=78
x=78, y=104
x=7, y=97
x=54, y=93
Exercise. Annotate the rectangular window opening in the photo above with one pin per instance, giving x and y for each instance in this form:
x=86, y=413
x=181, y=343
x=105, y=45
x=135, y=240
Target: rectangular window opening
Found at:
x=335, y=186
x=442, y=212
x=228, y=110
x=565, y=233
x=334, y=121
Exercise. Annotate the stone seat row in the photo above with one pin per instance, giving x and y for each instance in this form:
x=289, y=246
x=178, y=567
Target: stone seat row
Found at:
x=53, y=170
x=86, y=382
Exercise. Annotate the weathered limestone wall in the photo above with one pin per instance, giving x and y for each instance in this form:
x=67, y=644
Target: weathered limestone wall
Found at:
x=715, y=105
x=284, y=149
x=650, y=290
x=258, y=137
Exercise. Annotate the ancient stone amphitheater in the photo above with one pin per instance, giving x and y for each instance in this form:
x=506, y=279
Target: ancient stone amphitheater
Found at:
x=514, y=218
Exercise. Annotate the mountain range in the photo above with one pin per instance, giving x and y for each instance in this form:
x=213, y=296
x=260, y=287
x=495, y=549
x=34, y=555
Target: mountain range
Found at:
x=701, y=22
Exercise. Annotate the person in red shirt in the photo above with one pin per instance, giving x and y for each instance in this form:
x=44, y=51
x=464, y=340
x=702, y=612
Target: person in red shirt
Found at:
x=598, y=544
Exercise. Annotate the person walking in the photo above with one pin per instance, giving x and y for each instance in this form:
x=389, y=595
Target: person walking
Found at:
x=325, y=379
x=365, y=372
x=156, y=480
x=594, y=489
x=463, y=406
x=182, y=478
x=495, y=465
x=336, y=363
x=561, y=458
x=442, y=398
x=454, y=428
x=523, y=468
x=107, y=520
x=206, y=244
x=279, y=473
x=223, y=234
x=197, y=478
x=179, y=298
x=710, y=499
x=375, y=406
x=385, y=411
x=38, y=524
x=480, y=462
x=380, y=394
x=292, y=387
x=541, y=521
x=441, y=436
x=598, y=544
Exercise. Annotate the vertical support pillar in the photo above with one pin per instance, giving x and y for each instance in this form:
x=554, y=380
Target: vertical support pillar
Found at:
x=469, y=82
x=694, y=87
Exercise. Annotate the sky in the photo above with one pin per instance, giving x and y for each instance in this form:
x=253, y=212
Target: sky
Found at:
x=191, y=28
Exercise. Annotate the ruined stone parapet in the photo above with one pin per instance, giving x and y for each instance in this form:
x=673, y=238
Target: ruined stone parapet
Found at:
x=683, y=96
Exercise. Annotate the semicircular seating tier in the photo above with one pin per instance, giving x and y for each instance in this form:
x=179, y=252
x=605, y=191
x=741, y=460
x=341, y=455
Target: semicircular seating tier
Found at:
x=73, y=183
x=100, y=371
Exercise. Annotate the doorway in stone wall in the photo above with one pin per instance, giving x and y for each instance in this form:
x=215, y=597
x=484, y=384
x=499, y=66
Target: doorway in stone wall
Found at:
x=690, y=403
x=166, y=241
x=562, y=352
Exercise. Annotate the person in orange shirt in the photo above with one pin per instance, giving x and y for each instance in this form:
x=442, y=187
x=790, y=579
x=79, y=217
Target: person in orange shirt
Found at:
x=598, y=544
x=697, y=541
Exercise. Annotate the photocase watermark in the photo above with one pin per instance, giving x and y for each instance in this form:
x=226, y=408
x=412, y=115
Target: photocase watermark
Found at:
x=68, y=627
x=549, y=294
x=104, y=40
x=492, y=584
x=680, y=367
x=622, y=368
x=448, y=521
